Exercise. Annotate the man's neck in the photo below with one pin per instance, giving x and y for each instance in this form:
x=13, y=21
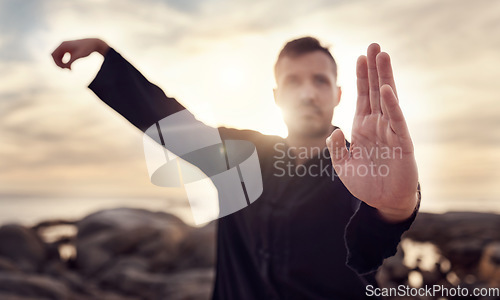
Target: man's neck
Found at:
x=313, y=144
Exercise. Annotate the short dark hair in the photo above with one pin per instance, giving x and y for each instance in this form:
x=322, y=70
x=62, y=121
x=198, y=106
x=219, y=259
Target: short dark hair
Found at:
x=302, y=46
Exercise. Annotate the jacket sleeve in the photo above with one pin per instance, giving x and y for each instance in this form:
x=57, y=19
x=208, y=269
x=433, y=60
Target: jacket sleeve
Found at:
x=123, y=88
x=370, y=239
x=127, y=91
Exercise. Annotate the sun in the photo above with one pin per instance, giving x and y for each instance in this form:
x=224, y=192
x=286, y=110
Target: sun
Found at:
x=231, y=77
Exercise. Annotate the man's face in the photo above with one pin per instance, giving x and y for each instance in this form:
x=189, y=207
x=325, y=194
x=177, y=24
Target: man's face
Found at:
x=307, y=93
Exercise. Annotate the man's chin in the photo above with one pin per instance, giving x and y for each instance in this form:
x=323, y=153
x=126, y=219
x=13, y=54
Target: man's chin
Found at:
x=306, y=129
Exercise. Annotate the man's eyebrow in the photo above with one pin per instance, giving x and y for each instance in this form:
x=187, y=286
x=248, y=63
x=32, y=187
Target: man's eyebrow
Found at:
x=322, y=76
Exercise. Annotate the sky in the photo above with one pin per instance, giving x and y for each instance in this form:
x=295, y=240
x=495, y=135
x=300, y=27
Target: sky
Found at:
x=216, y=57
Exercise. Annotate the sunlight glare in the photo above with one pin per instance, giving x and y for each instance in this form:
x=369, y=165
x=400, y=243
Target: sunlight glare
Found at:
x=231, y=77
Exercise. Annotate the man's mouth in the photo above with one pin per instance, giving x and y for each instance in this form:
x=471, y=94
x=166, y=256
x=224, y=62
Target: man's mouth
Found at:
x=308, y=111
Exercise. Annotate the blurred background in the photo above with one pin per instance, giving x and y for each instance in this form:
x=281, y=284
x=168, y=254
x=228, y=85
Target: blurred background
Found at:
x=64, y=153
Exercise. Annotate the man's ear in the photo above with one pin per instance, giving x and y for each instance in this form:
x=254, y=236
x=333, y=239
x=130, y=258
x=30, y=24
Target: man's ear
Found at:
x=275, y=94
x=339, y=95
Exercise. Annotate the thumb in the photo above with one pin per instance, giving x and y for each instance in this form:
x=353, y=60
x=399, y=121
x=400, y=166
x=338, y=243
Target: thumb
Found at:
x=337, y=147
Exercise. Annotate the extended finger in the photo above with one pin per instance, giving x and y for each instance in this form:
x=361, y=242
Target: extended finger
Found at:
x=396, y=117
x=373, y=81
x=385, y=74
x=363, y=103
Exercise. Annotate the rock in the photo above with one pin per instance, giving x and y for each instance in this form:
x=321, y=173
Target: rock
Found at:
x=31, y=285
x=110, y=233
x=193, y=284
x=489, y=266
x=440, y=229
x=127, y=218
x=6, y=265
x=91, y=257
x=133, y=254
x=433, y=276
x=59, y=271
x=23, y=247
x=397, y=271
x=8, y=296
x=128, y=279
x=464, y=254
x=459, y=236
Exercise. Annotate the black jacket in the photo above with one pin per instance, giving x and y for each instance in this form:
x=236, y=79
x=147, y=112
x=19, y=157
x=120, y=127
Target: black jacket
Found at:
x=305, y=237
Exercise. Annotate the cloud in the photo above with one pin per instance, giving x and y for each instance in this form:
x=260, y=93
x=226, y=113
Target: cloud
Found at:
x=444, y=53
x=20, y=21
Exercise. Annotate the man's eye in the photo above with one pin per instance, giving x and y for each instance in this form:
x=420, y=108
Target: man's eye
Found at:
x=321, y=80
x=292, y=81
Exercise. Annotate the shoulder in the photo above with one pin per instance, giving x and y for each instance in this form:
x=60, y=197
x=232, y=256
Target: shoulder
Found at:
x=254, y=136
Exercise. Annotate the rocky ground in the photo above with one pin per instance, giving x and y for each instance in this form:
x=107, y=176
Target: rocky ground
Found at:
x=131, y=254
x=451, y=249
x=116, y=254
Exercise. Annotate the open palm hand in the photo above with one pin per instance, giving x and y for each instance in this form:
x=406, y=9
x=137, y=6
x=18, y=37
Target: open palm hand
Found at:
x=379, y=168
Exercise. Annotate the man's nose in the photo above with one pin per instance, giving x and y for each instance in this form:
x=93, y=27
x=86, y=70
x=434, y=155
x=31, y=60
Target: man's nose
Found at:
x=307, y=93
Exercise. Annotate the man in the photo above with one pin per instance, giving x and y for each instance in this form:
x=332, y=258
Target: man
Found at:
x=307, y=236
